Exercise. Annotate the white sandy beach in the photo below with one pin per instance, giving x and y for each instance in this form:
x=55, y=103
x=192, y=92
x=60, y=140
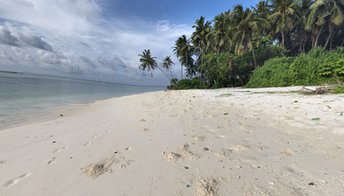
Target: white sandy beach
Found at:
x=197, y=142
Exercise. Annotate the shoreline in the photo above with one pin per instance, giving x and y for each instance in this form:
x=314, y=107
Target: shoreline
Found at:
x=194, y=142
x=54, y=112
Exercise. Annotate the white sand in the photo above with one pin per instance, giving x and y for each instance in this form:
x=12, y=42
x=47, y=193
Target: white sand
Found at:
x=182, y=143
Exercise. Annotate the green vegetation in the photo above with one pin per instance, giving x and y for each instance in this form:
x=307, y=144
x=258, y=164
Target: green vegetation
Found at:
x=275, y=43
x=339, y=89
x=316, y=67
x=194, y=83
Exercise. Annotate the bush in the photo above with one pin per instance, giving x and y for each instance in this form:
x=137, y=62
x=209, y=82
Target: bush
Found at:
x=228, y=70
x=339, y=89
x=194, y=83
x=316, y=67
x=272, y=74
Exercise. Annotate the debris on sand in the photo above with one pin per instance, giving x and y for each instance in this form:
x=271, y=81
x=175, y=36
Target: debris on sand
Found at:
x=317, y=91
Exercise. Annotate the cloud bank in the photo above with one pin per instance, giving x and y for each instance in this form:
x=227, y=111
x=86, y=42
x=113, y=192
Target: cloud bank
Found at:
x=75, y=38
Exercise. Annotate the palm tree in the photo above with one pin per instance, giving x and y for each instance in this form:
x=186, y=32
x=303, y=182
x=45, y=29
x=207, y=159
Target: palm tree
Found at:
x=301, y=32
x=283, y=17
x=262, y=9
x=147, y=61
x=184, y=51
x=221, y=32
x=330, y=12
x=248, y=30
x=199, y=36
x=167, y=64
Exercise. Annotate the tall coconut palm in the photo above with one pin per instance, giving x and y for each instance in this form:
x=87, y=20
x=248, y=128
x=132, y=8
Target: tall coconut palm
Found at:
x=199, y=36
x=301, y=33
x=249, y=30
x=263, y=9
x=329, y=12
x=184, y=51
x=221, y=32
x=283, y=17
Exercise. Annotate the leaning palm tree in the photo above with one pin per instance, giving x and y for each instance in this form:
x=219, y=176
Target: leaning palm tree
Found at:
x=283, y=17
x=329, y=12
x=184, y=51
x=149, y=63
x=167, y=64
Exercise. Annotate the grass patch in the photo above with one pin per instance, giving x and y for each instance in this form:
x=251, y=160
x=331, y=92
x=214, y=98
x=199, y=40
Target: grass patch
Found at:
x=226, y=95
x=338, y=89
x=275, y=92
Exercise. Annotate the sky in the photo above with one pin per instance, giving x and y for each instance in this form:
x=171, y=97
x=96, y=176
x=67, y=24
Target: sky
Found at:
x=98, y=39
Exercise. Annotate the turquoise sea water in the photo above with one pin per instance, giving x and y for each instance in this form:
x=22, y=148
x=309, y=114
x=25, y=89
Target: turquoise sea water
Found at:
x=26, y=97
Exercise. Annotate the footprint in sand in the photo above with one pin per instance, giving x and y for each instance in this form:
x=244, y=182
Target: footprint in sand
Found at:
x=182, y=152
x=218, y=136
x=233, y=150
x=145, y=129
x=52, y=160
x=185, y=151
x=199, y=138
x=96, y=135
x=207, y=187
x=16, y=180
x=105, y=166
x=87, y=143
x=60, y=149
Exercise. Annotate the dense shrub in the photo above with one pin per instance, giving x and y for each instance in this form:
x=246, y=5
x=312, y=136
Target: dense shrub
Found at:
x=194, y=83
x=227, y=70
x=316, y=67
x=273, y=73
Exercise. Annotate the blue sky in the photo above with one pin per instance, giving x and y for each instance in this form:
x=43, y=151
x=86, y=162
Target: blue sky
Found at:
x=178, y=11
x=97, y=39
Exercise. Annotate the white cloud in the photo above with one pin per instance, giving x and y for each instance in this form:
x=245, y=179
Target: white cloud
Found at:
x=72, y=37
x=62, y=15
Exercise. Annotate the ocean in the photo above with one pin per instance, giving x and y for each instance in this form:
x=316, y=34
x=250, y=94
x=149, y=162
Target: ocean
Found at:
x=26, y=97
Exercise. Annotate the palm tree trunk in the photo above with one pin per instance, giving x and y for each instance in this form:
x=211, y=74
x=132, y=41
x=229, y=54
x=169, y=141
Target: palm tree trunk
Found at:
x=171, y=73
x=313, y=40
x=304, y=45
x=318, y=35
x=164, y=73
x=254, y=57
x=283, y=39
x=181, y=71
x=330, y=30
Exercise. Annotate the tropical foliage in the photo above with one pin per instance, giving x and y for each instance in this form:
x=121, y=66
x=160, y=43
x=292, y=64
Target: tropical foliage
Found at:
x=228, y=49
x=316, y=67
x=149, y=63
